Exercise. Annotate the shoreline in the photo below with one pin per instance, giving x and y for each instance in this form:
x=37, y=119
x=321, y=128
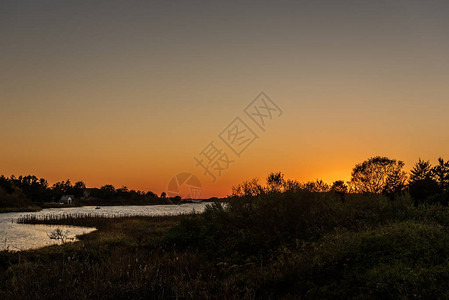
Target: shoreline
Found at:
x=56, y=205
x=5, y=210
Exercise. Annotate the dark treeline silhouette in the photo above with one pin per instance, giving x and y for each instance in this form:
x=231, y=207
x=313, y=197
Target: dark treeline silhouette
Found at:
x=24, y=191
x=377, y=175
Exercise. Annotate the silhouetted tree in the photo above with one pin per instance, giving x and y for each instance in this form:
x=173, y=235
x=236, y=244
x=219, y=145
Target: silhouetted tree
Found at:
x=422, y=184
x=163, y=195
x=151, y=194
x=292, y=185
x=441, y=174
x=6, y=184
x=421, y=170
x=61, y=188
x=107, y=192
x=123, y=192
x=378, y=175
x=318, y=186
x=22, y=190
x=396, y=183
x=340, y=188
x=275, y=182
x=34, y=188
x=78, y=189
x=248, y=188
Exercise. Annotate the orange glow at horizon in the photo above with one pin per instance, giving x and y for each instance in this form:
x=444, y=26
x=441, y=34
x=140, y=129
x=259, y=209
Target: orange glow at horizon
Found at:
x=128, y=94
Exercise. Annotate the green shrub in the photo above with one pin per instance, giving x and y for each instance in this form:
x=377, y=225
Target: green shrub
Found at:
x=252, y=226
x=399, y=260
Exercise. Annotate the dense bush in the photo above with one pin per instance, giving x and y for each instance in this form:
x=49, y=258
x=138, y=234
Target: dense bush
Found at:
x=314, y=245
x=399, y=260
x=274, y=245
x=252, y=226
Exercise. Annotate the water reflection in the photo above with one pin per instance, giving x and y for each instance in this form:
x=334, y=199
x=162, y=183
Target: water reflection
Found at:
x=18, y=237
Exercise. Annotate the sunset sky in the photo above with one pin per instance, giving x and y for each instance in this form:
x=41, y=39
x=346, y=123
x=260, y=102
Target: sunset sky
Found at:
x=129, y=92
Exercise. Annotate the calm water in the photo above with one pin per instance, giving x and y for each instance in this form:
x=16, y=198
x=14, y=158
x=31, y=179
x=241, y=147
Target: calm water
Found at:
x=16, y=237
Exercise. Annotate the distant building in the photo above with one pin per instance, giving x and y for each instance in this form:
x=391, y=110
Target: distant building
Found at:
x=66, y=199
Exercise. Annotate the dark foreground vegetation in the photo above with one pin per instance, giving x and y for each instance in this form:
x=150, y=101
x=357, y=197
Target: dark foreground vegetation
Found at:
x=274, y=245
x=279, y=240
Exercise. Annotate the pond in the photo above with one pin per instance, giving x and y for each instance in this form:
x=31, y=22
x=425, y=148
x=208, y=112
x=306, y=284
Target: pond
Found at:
x=17, y=237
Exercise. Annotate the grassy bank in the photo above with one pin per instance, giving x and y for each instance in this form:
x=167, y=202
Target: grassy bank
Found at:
x=290, y=245
x=29, y=208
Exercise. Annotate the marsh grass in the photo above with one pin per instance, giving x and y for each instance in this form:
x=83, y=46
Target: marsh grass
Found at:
x=75, y=219
x=276, y=245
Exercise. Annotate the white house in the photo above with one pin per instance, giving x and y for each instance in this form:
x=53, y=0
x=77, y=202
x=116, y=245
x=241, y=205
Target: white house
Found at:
x=66, y=199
